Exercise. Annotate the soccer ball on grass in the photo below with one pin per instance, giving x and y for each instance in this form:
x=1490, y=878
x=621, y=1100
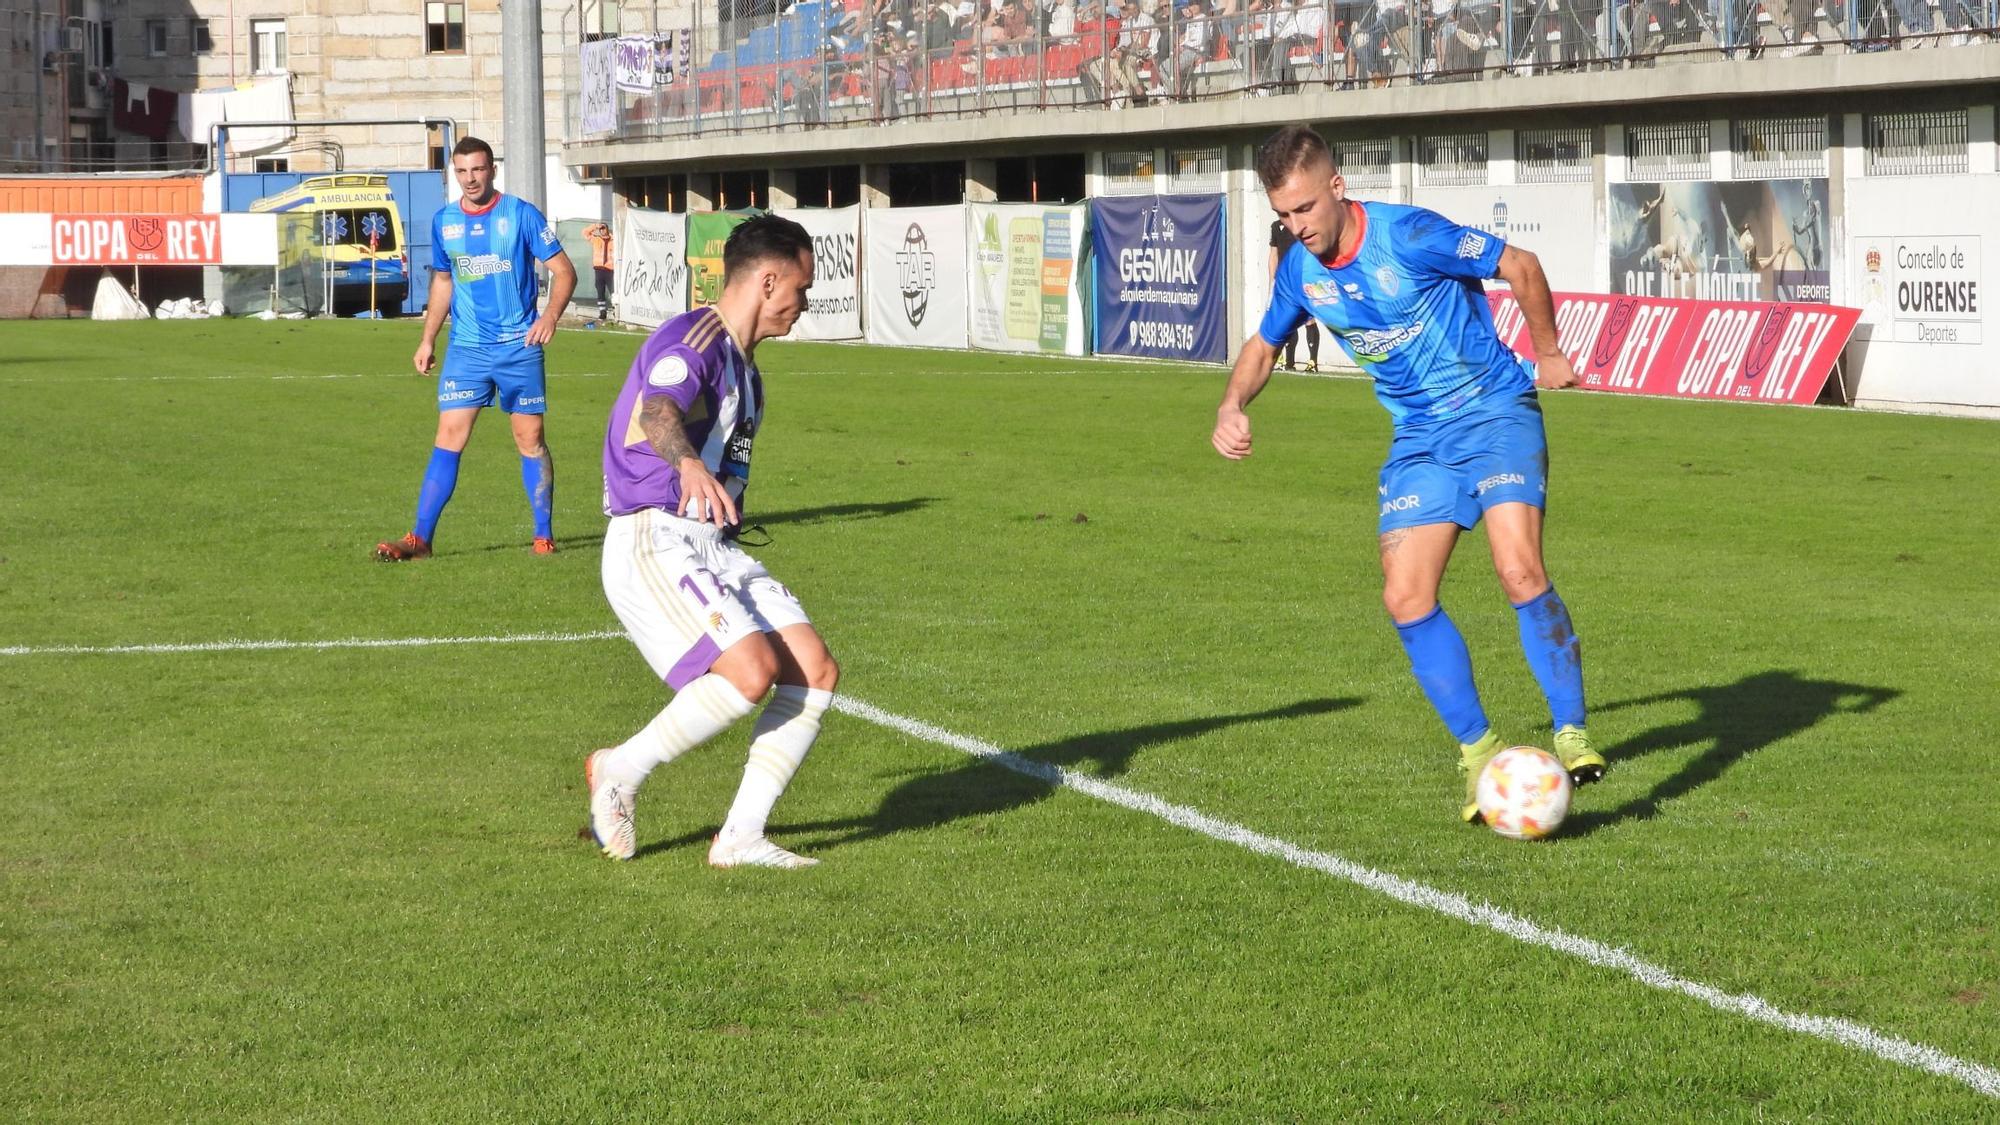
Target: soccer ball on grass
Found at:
x=1524, y=793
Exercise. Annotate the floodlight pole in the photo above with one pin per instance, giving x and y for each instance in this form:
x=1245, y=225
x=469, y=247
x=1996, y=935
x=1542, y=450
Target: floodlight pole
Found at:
x=521, y=94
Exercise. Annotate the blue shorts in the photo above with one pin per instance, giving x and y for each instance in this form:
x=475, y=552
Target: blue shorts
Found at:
x=477, y=374
x=1452, y=471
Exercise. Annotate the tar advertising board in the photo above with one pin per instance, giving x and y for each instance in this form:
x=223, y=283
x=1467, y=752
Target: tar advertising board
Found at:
x=1751, y=240
x=1552, y=220
x=652, y=274
x=1024, y=276
x=833, y=304
x=914, y=265
x=1160, y=276
x=1744, y=351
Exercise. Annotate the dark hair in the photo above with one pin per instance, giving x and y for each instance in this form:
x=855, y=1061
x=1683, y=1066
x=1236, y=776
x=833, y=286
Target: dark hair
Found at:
x=759, y=239
x=1288, y=150
x=468, y=146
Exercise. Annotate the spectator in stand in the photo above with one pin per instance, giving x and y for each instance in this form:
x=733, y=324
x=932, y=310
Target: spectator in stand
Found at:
x=1098, y=38
x=1192, y=48
x=1304, y=33
x=1120, y=70
x=1010, y=28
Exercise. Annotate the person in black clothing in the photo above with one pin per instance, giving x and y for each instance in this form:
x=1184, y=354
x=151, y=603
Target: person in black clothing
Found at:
x=1281, y=244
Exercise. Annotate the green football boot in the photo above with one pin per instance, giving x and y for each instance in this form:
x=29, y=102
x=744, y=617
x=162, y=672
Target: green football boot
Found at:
x=1472, y=761
x=1579, y=757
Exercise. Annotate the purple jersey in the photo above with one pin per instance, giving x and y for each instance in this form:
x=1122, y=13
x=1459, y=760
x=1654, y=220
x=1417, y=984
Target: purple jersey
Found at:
x=692, y=360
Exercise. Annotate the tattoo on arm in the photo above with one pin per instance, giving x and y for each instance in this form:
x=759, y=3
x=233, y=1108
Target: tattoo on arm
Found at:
x=660, y=421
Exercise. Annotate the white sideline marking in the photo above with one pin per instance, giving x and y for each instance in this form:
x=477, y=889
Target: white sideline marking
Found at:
x=1983, y=1079
x=282, y=646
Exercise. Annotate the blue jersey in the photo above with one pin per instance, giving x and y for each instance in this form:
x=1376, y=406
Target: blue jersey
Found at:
x=1409, y=309
x=491, y=256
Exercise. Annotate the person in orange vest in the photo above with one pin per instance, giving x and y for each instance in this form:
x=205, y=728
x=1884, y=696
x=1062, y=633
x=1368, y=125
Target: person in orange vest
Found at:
x=601, y=266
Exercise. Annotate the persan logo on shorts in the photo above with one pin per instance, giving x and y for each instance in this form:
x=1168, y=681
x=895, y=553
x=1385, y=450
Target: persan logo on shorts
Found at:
x=1400, y=504
x=472, y=267
x=536, y=401
x=1498, y=479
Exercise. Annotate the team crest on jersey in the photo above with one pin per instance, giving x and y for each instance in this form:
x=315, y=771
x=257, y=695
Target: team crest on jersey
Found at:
x=1322, y=293
x=502, y=225
x=1390, y=283
x=1471, y=244
x=454, y=230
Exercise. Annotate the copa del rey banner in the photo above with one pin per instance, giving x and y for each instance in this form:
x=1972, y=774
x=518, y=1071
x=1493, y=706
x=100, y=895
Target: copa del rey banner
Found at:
x=228, y=239
x=1023, y=280
x=1160, y=275
x=652, y=276
x=833, y=304
x=914, y=269
x=1751, y=351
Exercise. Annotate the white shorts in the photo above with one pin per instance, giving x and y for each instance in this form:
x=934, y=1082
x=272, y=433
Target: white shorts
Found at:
x=685, y=594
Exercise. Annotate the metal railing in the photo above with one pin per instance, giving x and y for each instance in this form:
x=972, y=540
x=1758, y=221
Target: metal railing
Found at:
x=841, y=69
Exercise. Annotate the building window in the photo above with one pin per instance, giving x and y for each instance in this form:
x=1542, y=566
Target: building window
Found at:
x=267, y=46
x=1195, y=169
x=156, y=38
x=1923, y=143
x=198, y=37
x=1453, y=158
x=1552, y=156
x=272, y=164
x=444, y=27
x=1366, y=165
x=1677, y=151
x=1129, y=173
x=434, y=146
x=1778, y=147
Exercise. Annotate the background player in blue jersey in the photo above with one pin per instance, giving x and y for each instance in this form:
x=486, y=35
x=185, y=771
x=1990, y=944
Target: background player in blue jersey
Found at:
x=1399, y=287
x=483, y=253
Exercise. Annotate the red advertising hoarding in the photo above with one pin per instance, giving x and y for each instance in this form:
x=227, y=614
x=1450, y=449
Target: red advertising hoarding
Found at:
x=135, y=240
x=1753, y=351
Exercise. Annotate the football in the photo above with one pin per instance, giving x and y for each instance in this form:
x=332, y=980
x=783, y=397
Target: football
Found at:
x=1524, y=793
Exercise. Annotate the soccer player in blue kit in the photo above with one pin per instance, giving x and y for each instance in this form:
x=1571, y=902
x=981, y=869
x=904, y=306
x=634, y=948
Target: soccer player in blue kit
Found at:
x=1399, y=287
x=483, y=253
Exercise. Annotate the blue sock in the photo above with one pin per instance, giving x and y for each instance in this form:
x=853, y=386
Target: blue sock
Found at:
x=1549, y=640
x=538, y=478
x=1443, y=667
x=440, y=477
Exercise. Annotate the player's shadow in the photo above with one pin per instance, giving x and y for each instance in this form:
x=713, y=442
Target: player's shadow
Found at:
x=1733, y=720
x=831, y=512
x=982, y=787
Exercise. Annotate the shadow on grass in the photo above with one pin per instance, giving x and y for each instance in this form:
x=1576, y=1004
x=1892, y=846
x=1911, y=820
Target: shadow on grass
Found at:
x=825, y=514
x=980, y=787
x=1734, y=720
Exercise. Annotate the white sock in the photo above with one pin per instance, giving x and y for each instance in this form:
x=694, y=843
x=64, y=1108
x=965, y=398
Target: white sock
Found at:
x=784, y=734
x=697, y=713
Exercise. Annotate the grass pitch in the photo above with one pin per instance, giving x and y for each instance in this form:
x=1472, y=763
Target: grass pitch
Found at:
x=347, y=884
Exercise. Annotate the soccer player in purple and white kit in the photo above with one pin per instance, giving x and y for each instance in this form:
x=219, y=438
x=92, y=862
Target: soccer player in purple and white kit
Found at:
x=710, y=619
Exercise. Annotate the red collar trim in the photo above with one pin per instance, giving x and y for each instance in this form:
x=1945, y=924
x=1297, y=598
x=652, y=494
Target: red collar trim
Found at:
x=490, y=205
x=1360, y=215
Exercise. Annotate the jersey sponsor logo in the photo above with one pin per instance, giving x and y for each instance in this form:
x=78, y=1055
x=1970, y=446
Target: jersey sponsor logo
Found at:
x=548, y=236
x=454, y=230
x=1387, y=279
x=1322, y=293
x=670, y=371
x=1471, y=244
x=479, y=228
x=1401, y=503
x=1498, y=479
x=472, y=267
x=1374, y=346
x=538, y=400
x=1353, y=291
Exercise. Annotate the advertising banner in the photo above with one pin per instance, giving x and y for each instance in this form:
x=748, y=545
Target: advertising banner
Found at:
x=227, y=239
x=1751, y=240
x=833, y=304
x=706, y=232
x=1025, y=286
x=1161, y=276
x=1552, y=220
x=1919, y=290
x=1748, y=351
x=597, y=88
x=652, y=274
x=914, y=270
